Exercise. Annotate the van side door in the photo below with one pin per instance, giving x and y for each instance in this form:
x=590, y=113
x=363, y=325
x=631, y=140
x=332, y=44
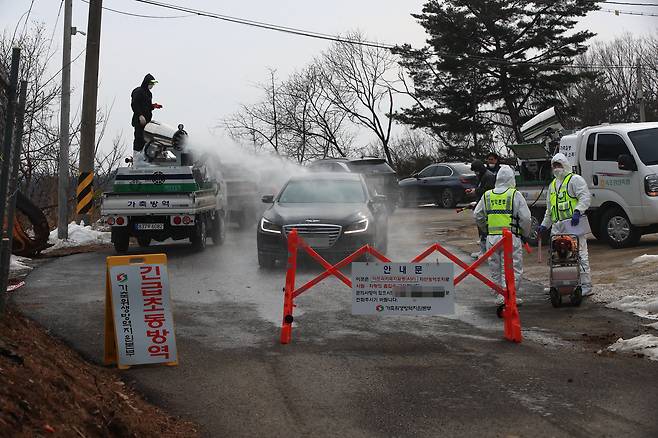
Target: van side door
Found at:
x=609, y=182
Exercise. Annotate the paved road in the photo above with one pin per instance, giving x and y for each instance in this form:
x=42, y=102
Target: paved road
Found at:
x=363, y=376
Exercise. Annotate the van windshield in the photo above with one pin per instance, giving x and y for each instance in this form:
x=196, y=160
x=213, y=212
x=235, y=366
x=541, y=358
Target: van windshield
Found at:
x=646, y=145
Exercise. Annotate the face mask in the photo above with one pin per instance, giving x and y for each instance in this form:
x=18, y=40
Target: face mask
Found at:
x=558, y=173
x=491, y=166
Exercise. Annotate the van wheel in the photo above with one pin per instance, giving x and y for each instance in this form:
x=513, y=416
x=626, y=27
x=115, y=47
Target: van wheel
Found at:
x=617, y=229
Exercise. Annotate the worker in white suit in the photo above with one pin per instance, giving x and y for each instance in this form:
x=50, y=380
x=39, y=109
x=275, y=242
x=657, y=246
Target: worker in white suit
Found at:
x=567, y=201
x=500, y=208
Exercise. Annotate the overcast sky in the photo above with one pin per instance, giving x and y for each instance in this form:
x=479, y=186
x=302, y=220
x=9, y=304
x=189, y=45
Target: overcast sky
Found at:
x=207, y=67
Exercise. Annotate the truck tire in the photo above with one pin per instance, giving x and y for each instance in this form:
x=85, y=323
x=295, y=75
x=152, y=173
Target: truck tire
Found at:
x=144, y=241
x=447, y=199
x=218, y=231
x=121, y=240
x=617, y=229
x=199, y=237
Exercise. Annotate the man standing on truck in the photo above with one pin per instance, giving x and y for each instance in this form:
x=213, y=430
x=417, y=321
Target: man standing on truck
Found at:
x=566, y=203
x=141, y=102
x=500, y=208
x=486, y=182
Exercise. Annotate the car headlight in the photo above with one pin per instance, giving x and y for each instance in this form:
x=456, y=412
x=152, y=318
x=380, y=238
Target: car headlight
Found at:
x=357, y=227
x=269, y=227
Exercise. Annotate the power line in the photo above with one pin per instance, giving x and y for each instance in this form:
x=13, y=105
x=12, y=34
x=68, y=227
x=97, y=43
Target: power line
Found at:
x=334, y=38
x=618, y=12
x=265, y=25
x=60, y=70
x=630, y=4
x=52, y=37
x=131, y=14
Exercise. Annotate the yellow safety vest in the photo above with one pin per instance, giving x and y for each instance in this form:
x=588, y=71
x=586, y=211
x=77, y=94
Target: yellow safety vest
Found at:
x=500, y=213
x=562, y=203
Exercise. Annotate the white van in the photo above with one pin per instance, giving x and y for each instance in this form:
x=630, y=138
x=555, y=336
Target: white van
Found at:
x=620, y=164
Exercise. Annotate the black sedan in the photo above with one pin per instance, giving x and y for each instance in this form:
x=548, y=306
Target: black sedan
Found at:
x=334, y=213
x=443, y=184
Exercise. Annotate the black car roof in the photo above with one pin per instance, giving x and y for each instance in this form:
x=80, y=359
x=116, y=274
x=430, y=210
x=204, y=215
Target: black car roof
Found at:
x=328, y=175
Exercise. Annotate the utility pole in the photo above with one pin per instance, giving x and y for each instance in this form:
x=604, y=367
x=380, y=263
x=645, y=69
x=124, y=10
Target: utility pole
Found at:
x=5, y=169
x=5, y=254
x=64, y=139
x=84, y=191
x=640, y=91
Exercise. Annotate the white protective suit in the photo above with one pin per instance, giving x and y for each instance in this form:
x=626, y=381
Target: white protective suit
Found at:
x=577, y=188
x=521, y=214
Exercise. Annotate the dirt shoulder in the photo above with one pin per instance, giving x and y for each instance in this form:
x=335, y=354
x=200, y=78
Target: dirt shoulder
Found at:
x=46, y=389
x=614, y=272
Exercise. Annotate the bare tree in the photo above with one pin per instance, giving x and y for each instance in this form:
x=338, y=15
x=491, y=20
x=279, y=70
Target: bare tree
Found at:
x=40, y=152
x=358, y=82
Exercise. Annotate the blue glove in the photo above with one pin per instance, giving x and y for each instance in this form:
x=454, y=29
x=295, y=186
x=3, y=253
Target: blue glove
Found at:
x=575, y=219
x=541, y=230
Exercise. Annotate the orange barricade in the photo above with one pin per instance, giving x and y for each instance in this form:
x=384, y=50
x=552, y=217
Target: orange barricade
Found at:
x=509, y=313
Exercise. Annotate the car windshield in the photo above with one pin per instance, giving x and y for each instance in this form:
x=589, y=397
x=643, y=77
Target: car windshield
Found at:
x=370, y=166
x=323, y=191
x=461, y=168
x=646, y=145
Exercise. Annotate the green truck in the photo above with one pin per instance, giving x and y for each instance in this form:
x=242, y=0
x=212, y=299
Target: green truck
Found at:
x=170, y=196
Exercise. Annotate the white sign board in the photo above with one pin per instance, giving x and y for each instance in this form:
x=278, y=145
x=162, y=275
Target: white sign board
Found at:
x=141, y=310
x=569, y=147
x=403, y=289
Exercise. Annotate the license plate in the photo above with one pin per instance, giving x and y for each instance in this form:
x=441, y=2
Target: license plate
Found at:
x=317, y=242
x=144, y=227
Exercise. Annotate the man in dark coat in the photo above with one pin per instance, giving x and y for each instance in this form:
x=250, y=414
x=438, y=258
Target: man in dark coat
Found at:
x=486, y=182
x=486, y=179
x=493, y=162
x=142, y=105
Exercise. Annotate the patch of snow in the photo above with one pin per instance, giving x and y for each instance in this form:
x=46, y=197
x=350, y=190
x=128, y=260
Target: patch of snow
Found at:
x=17, y=264
x=644, y=306
x=652, y=325
x=646, y=345
x=79, y=235
x=646, y=258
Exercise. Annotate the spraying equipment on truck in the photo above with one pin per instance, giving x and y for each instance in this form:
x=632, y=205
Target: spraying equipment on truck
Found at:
x=169, y=193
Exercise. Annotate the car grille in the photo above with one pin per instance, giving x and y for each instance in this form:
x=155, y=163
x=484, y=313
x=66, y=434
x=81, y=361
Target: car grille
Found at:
x=316, y=235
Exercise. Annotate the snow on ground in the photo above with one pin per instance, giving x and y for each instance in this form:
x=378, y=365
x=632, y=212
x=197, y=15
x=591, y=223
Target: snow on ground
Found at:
x=646, y=345
x=17, y=265
x=79, y=235
x=644, y=306
x=646, y=258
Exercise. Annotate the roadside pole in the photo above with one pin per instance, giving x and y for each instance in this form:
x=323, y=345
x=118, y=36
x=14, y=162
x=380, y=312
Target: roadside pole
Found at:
x=5, y=253
x=64, y=139
x=640, y=91
x=5, y=169
x=84, y=191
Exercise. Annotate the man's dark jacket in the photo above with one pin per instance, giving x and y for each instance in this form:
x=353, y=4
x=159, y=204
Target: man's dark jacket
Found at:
x=141, y=101
x=486, y=182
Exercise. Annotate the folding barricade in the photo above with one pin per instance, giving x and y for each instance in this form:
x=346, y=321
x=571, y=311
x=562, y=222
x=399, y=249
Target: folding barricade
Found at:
x=509, y=312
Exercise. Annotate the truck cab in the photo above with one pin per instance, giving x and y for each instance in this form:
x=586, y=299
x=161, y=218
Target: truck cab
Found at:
x=619, y=162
